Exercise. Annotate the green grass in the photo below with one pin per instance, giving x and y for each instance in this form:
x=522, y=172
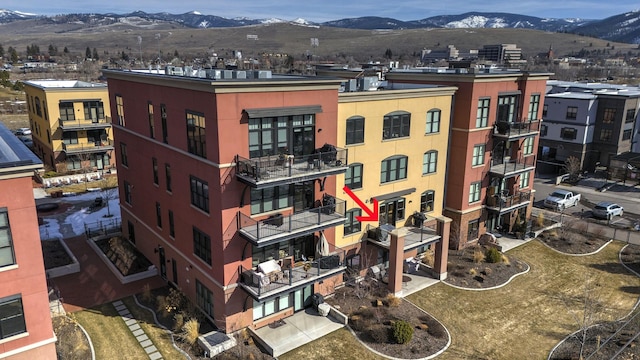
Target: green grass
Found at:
x=339, y=344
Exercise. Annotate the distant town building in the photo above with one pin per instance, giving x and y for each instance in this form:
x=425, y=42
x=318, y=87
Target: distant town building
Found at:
x=507, y=54
x=431, y=56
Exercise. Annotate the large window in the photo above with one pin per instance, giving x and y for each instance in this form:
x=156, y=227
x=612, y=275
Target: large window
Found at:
x=167, y=175
x=572, y=113
x=70, y=137
x=507, y=108
x=474, y=192
x=396, y=124
x=473, y=229
x=527, y=146
x=73, y=162
x=626, y=135
x=605, y=134
x=199, y=194
x=196, y=136
x=269, y=199
x=204, y=298
x=269, y=307
x=524, y=180
x=609, y=116
x=154, y=165
x=93, y=110
x=568, y=133
x=393, y=168
x=355, y=130
x=392, y=211
x=352, y=225
x=66, y=111
x=433, y=121
x=294, y=135
x=6, y=243
x=124, y=158
x=482, y=117
x=120, y=110
x=478, y=155
x=353, y=176
x=631, y=115
x=11, y=317
x=427, y=201
x=429, y=162
x=38, y=107
x=202, y=245
x=534, y=104
x=152, y=128
x=543, y=130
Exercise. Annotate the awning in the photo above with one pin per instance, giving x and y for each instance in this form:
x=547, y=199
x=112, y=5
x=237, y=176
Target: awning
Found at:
x=395, y=194
x=283, y=111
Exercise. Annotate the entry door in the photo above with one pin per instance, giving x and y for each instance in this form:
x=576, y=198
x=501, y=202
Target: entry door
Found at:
x=174, y=268
x=303, y=141
x=99, y=163
x=303, y=196
x=163, y=263
x=302, y=298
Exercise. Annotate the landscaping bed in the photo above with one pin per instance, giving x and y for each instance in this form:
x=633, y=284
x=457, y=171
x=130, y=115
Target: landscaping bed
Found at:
x=55, y=255
x=124, y=256
x=71, y=341
x=472, y=268
x=571, y=239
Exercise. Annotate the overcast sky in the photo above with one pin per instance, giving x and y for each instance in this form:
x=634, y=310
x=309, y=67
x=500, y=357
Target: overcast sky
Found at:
x=325, y=10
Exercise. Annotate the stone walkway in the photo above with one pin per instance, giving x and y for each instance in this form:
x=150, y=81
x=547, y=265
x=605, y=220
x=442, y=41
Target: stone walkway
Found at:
x=137, y=331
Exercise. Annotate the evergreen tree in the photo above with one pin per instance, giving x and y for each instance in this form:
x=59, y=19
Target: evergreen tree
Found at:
x=1, y=51
x=13, y=54
x=94, y=55
x=87, y=53
x=66, y=51
x=388, y=54
x=53, y=51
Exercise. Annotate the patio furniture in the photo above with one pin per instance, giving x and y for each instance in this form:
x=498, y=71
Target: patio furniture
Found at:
x=271, y=269
x=411, y=266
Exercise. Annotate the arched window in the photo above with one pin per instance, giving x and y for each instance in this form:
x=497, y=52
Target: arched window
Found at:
x=393, y=168
x=396, y=124
x=38, y=107
x=427, y=201
x=429, y=162
x=433, y=121
x=353, y=176
x=355, y=130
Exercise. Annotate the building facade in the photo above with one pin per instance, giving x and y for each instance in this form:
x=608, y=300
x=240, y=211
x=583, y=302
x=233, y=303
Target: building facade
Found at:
x=70, y=123
x=25, y=322
x=227, y=184
x=494, y=133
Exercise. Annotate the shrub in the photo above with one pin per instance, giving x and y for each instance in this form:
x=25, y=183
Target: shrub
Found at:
x=478, y=256
x=49, y=174
x=178, y=322
x=437, y=330
x=472, y=272
x=487, y=271
x=540, y=220
x=393, y=301
x=358, y=323
x=505, y=259
x=161, y=301
x=428, y=258
x=146, y=293
x=379, y=334
x=190, y=331
x=402, y=332
x=492, y=255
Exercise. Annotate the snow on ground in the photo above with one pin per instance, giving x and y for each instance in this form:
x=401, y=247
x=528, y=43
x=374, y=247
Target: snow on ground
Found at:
x=50, y=230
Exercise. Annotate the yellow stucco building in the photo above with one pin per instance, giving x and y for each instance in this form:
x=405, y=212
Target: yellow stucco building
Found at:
x=70, y=129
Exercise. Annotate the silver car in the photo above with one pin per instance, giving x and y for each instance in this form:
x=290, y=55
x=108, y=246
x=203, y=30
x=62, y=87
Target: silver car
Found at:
x=607, y=210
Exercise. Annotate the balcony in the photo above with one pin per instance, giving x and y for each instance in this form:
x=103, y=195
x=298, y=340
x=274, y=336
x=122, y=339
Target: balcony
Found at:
x=290, y=275
x=508, y=202
x=91, y=147
x=84, y=124
x=279, y=227
x=512, y=167
x=516, y=130
x=413, y=236
x=269, y=171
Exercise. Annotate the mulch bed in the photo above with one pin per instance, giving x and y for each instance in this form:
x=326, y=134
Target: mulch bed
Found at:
x=572, y=241
x=468, y=268
x=71, y=342
x=124, y=256
x=54, y=254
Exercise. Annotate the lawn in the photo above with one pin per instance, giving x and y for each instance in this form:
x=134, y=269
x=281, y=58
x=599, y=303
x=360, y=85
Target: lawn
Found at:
x=524, y=319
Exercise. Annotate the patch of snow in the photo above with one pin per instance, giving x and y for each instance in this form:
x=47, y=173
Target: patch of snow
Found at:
x=272, y=21
x=196, y=13
x=204, y=24
x=50, y=230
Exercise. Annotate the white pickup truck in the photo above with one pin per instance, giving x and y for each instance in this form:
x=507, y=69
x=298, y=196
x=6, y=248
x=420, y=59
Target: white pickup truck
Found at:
x=561, y=199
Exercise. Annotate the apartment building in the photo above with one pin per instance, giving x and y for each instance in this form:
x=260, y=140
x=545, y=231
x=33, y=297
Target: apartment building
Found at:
x=397, y=142
x=25, y=322
x=227, y=184
x=592, y=122
x=502, y=54
x=495, y=127
x=70, y=129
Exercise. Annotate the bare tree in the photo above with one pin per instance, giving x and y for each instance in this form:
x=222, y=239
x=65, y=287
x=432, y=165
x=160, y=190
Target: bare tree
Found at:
x=109, y=187
x=572, y=167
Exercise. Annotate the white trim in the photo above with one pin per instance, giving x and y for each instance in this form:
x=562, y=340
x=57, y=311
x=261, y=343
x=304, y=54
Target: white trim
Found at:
x=8, y=354
x=9, y=267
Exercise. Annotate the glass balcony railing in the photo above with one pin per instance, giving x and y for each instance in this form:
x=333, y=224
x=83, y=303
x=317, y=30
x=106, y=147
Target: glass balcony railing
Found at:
x=511, y=130
x=280, y=227
x=506, y=202
x=268, y=171
x=512, y=167
x=84, y=124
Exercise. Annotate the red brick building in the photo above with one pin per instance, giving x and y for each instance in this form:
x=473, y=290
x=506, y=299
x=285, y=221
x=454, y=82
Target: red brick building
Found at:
x=25, y=321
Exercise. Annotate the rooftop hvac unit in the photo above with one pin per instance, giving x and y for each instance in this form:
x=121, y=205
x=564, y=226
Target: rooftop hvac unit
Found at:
x=214, y=74
x=201, y=73
x=239, y=74
x=351, y=85
x=188, y=71
x=264, y=74
x=227, y=74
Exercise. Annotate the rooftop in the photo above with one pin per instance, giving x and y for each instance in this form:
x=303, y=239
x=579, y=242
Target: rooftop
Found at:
x=61, y=84
x=556, y=86
x=13, y=153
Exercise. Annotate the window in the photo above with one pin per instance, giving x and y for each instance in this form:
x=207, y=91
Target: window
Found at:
x=396, y=125
x=38, y=107
x=269, y=307
x=158, y=215
x=11, y=317
x=196, y=137
x=7, y=256
x=165, y=131
x=478, y=155
x=353, y=176
x=204, y=298
x=543, y=130
x=352, y=225
x=96, y=136
x=66, y=111
x=429, y=162
x=70, y=137
x=202, y=245
x=355, y=130
x=433, y=122
x=534, y=103
x=93, y=110
x=626, y=135
x=393, y=168
x=172, y=225
x=631, y=115
x=167, y=175
x=605, y=134
x=124, y=159
x=392, y=211
x=474, y=192
x=524, y=180
x=572, y=113
x=473, y=229
x=269, y=199
x=482, y=117
x=527, y=146
x=200, y=194
x=155, y=170
x=507, y=108
x=609, y=116
x=545, y=108
x=120, y=110
x=132, y=231
x=73, y=162
x=276, y=135
x=152, y=130
x=568, y=133
x=127, y=192
x=427, y=201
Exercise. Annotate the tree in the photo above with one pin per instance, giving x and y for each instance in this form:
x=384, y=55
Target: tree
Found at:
x=388, y=54
x=53, y=50
x=66, y=51
x=1, y=51
x=572, y=167
x=13, y=54
x=109, y=192
x=94, y=55
x=87, y=53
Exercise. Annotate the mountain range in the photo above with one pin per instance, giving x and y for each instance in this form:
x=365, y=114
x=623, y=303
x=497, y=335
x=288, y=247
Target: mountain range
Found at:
x=621, y=28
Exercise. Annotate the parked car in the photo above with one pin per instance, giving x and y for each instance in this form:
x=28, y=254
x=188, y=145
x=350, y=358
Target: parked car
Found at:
x=607, y=210
x=23, y=131
x=561, y=199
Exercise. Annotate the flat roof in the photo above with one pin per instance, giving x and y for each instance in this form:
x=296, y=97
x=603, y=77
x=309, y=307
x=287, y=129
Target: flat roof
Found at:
x=14, y=153
x=572, y=95
x=64, y=84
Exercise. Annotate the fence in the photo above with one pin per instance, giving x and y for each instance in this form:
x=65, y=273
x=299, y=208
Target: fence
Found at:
x=598, y=227
x=103, y=227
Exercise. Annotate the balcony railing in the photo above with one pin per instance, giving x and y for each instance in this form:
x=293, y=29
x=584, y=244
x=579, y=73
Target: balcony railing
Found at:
x=268, y=171
x=290, y=275
x=96, y=146
x=279, y=227
x=512, y=167
x=503, y=203
x=414, y=236
x=510, y=130
x=84, y=124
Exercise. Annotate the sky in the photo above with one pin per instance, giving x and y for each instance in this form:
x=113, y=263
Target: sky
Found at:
x=320, y=11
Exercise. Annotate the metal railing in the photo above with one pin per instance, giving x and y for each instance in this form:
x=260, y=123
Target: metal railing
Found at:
x=84, y=123
x=518, y=128
x=511, y=166
x=509, y=200
x=103, y=227
x=84, y=147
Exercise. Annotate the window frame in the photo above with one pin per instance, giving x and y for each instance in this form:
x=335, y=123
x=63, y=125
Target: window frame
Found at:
x=196, y=133
x=396, y=125
x=534, y=107
x=527, y=145
x=67, y=112
x=606, y=135
x=427, y=199
x=482, y=113
x=572, y=113
x=473, y=229
x=127, y=192
x=8, y=316
x=172, y=224
x=631, y=115
x=204, y=298
x=270, y=199
x=393, y=165
x=478, y=155
x=124, y=157
x=355, y=130
x=120, y=110
x=199, y=190
x=5, y=227
x=351, y=224
x=525, y=180
x=167, y=176
x=350, y=179
x=433, y=120
x=430, y=162
x=154, y=165
x=626, y=134
x=152, y=127
x=609, y=116
x=475, y=192
x=202, y=245
x=568, y=130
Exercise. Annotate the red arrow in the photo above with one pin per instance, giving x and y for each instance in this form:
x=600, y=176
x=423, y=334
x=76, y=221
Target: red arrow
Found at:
x=373, y=214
